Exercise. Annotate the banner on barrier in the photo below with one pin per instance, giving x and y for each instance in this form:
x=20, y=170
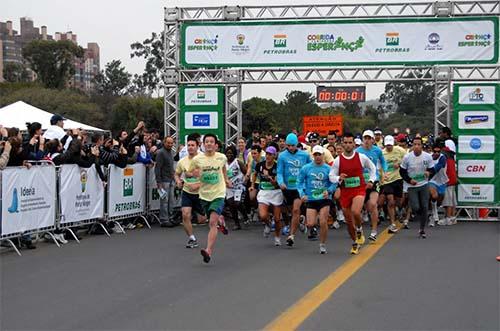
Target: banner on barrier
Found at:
x=28, y=199
x=81, y=194
x=127, y=190
x=340, y=42
x=153, y=196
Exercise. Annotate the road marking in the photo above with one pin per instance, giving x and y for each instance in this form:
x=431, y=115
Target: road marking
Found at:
x=294, y=316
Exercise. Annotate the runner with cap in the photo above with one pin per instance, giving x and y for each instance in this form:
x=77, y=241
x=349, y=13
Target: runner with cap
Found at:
x=270, y=194
x=315, y=189
x=290, y=162
x=374, y=153
x=347, y=171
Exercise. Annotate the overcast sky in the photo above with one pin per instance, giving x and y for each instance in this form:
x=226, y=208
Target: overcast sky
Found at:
x=114, y=25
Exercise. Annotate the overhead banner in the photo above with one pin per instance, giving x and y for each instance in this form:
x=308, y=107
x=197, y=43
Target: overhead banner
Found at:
x=81, y=194
x=127, y=190
x=323, y=124
x=340, y=42
x=28, y=199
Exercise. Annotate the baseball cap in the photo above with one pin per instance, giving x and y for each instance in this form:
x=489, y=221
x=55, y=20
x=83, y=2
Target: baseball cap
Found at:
x=357, y=141
x=271, y=150
x=401, y=137
x=377, y=131
x=368, y=133
x=389, y=140
x=318, y=150
x=56, y=118
x=450, y=145
x=292, y=139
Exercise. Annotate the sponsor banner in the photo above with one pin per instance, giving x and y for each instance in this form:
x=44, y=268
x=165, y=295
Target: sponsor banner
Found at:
x=201, y=96
x=28, y=199
x=476, y=120
x=127, y=190
x=81, y=194
x=476, y=95
x=323, y=124
x=476, y=144
x=346, y=42
x=153, y=196
x=201, y=120
x=475, y=193
x=476, y=168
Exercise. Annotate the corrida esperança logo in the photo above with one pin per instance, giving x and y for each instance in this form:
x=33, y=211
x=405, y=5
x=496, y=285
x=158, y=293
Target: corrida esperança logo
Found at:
x=330, y=42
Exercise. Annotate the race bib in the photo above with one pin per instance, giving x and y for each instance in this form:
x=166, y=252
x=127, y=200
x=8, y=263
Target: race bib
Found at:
x=237, y=195
x=351, y=182
x=366, y=176
x=317, y=194
x=210, y=178
x=230, y=173
x=419, y=177
x=292, y=180
x=266, y=186
x=390, y=166
x=191, y=179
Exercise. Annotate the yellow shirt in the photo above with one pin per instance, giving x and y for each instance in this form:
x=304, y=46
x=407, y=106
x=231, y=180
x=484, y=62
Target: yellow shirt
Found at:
x=396, y=156
x=212, y=181
x=327, y=156
x=182, y=167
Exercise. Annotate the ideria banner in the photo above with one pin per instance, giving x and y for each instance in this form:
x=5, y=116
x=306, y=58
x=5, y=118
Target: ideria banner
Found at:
x=28, y=199
x=81, y=194
x=127, y=190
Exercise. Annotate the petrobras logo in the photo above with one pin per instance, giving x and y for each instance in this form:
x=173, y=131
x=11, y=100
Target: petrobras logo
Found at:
x=392, y=44
x=476, y=168
x=433, y=42
x=476, y=144
x=476, y=95
x=476, y=193
x=392, y=39
x=280, y=46
x=476, y=120
x=201, y=120
x=200, y=94
x=280, y=40
x=201, y=97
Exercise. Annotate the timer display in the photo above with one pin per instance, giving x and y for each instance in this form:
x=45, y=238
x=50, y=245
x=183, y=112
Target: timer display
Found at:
x=341, y=94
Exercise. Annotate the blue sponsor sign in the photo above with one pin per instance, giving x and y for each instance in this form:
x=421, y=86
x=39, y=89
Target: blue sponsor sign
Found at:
x=201, y=120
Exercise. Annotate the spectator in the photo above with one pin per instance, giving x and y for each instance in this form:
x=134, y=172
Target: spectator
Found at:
x=18, y=156
x=35, y=145
x=55, y=130
x=164, y=174
x=5, y=148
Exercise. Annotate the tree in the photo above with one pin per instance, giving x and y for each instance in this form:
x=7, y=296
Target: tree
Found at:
x=258, y=115
x=296, y=105
x=114, y=80
x=152, y=51
x=127, y=111
x=15, y=73
x=53, y=61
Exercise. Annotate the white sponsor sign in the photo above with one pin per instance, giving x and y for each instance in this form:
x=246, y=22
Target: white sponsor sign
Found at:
x=28, y=199
x=201, y=96
x=476, y=95
x=153, y=196
x=81, y=194
x=127, y=190
x=476, y=144
x=476, y=168
x=476, y=120
x=201, y=120
x=476, y=193
x=307, y=43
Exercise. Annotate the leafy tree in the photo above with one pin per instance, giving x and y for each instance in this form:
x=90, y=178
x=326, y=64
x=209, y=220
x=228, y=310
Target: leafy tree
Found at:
x=53, y=61
x=113, y=80
x=15, y=72
x=152, y=51
x=127, y=111
x=296, y=105
x=258, y=115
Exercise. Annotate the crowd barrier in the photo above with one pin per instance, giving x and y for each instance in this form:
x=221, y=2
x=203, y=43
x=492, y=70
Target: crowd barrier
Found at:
x=46, y=198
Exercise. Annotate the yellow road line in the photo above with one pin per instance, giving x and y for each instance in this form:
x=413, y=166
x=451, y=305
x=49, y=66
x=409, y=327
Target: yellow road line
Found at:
x=294, y=316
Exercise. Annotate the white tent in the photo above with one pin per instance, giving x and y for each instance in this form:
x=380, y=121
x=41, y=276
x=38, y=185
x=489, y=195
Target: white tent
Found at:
x=18, y=113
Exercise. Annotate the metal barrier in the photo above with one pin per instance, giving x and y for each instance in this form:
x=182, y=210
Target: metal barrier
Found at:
x=152, y=196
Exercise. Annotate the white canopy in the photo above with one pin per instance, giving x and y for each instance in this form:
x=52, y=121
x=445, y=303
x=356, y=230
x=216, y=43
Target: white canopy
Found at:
x=18, y=113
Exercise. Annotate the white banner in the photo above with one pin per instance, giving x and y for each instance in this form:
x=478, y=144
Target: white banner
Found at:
x=476, y=144
x=316, y=43
x=81, y=194
x=28, y=199
x=476, y=119
x=476, y=168
x=476, y=95
x=201, y=96
x=153, y=196
x=127, y=190
x=476, y=193
x=201, y=120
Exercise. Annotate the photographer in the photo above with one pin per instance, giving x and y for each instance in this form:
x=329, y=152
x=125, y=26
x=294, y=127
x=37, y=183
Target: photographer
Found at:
x=18, y=156
x=35, y=145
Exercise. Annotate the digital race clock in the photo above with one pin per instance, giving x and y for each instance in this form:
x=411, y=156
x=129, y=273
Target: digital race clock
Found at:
x=340, y=94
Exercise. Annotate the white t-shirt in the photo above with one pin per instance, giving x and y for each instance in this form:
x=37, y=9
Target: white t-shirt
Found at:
x=417, y=166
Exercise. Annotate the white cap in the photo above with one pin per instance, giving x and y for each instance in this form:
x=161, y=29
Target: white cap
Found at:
x=368, y=133
x=389, y=140
x=318, y=149
x=357, y=141
x=378, y=131
x=450, y=145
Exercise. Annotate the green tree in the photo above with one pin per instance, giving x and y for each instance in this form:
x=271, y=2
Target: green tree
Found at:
x=15, y=72
x=113, y=80
x=258, y=115
x=296, y=105
x=152, y=51
x=128, y=111
x=53, y=61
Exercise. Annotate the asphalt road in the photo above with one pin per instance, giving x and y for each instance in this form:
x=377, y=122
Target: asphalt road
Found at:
x=147, y=280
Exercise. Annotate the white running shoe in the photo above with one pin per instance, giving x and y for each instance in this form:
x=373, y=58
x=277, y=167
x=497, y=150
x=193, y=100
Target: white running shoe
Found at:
x=267, y=231
x=340, y=216
x=452, y=221
x=443, y=222
x=322, y=248
x=432, y=222
x=366, y=218
x=277, y=241
x=336, y=225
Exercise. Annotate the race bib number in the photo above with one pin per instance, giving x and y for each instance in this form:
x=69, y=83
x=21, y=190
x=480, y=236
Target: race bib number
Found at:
x=419, y=177
x=237, y=195
x=266, y=186
x=351, y=182
x=230, y=173
x=366, y=176
x=318, y=194
x=190, y=179
x=292, y=180
x=210, y=178
x=390, y=166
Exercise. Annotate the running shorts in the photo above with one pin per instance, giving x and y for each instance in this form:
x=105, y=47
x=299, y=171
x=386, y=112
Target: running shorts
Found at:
x=270, y=197
x=347, y=194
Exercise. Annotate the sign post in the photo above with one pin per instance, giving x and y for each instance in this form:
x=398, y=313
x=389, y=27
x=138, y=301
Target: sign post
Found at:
x=323, y=124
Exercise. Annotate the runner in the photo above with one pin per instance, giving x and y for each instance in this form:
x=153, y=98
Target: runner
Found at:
x=290, y=162
x=210, y=169
x=189, y=197
x=270, y=194
x=236, y=194
x=374, y=153
x=437, y=185
x=348, y=171
x=392, y=190
x=315, y=189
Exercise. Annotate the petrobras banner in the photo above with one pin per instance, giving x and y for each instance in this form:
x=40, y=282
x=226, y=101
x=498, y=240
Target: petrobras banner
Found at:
x=153, y=196
x=476, y=95
x=127, y=190
x=340, y=42
x=468, y=120
x=476, y=193
x=28, y=199
x=476, y=168
x=208, y=96
x=476, y=144
x=81, y=194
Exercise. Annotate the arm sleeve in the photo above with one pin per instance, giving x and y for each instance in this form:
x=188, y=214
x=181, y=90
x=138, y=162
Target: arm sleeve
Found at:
x=301, y=185
x=280, y=171
x=404, y=174
x=368, y=164
x=334, y=172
